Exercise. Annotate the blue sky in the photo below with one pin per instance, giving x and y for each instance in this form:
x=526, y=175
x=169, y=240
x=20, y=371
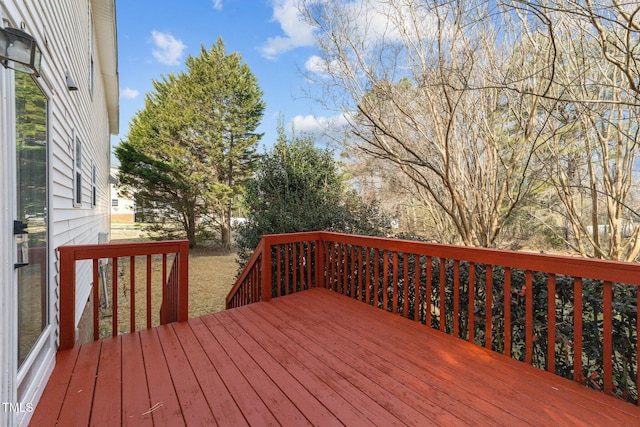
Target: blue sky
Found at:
x=155, y=37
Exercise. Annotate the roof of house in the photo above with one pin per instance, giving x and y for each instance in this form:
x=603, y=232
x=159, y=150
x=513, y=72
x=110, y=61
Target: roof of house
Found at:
x=107, y=45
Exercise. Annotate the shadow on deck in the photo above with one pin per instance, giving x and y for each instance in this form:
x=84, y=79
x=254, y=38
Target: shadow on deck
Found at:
x=311, y=358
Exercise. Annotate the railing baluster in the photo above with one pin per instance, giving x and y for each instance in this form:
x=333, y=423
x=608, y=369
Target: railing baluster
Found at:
x=132, y=291
x=577, y=330
x=96, y=301
x=114, y=297
x=360, y=273
x=354, y=275
x=385, y=280
x=148, y=291
x=551, y=322
x=333, y=253
x=340, y=269
x=528, y=283
x=416, y=288
x=456, y=298
x=428, y=293
x=472, y=303
x=345, y=270
x=376, y=277
x=507, y=312
x=395, y=295
x=301, y=255
x=607, y=332
x=329, y=264
x=443, y=294
x=367, y=274
x=488, y=311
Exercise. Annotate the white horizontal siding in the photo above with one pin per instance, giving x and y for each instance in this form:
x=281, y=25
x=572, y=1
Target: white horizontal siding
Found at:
x=62, y=31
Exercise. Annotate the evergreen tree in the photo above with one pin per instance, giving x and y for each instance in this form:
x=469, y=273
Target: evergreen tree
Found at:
x=298, y=187
x=189, y=151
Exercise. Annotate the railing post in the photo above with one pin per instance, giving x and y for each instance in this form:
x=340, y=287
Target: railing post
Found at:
x=67, y=299
x=320, y=276
x=266, y=270
x=183, y=282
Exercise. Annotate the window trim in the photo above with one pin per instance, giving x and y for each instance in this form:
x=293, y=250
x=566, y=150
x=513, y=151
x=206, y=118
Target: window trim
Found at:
x=94, y=189
x=77, y=171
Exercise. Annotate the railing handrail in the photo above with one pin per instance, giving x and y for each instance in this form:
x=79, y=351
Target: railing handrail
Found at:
x=69, y=254
x=598, y=269
x=110, y=250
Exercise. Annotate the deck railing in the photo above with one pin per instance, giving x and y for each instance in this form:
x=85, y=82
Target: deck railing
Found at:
x=282, y=252
x=175, y=300
x=574, y=317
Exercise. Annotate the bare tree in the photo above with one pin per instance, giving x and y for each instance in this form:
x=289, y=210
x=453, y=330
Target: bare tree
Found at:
x=612, y=28
x=593, y=158
x=424, y=85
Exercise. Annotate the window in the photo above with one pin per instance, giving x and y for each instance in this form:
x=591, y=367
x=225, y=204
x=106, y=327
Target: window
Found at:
x=94, y=195
x=77, y=173
x=114, y=203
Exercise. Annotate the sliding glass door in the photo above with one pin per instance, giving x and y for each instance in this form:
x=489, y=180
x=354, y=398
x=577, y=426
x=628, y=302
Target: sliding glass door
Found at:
x=30, y=227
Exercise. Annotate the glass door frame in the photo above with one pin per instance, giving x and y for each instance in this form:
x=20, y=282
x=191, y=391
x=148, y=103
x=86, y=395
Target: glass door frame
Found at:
x=16, y=380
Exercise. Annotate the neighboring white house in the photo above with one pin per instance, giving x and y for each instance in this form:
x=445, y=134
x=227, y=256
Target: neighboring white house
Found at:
x=55, y=129
x=122, y=208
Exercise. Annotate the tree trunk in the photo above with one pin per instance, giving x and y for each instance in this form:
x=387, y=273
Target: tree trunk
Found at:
x=225, y=234
x=191, y=232
x=225, y=229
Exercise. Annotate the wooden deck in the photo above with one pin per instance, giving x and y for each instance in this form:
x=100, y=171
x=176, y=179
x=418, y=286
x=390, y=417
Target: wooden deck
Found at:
x=311, y=358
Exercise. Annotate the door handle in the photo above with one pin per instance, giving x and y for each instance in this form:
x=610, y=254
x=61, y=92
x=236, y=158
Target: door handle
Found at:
x=22, y=243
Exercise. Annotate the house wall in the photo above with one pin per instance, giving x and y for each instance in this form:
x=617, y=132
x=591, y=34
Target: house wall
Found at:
x=69, y=39
x=122, y=208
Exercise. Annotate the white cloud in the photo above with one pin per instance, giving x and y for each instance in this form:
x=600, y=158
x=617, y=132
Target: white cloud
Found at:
x=217, y=4
x=317, y=65
x=129, y=93
x=297, y=33
x=168, y=49
x=318, y=124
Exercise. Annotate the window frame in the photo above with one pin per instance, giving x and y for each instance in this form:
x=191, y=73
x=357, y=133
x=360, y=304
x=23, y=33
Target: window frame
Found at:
x=94, y=189
x=77, y=171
